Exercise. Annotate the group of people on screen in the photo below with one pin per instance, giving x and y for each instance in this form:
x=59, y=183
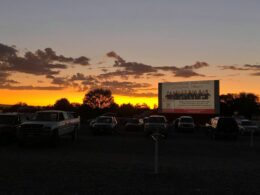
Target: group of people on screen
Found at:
x=188, y=95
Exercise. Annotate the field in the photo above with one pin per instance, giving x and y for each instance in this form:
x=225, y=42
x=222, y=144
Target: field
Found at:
x=123, y=164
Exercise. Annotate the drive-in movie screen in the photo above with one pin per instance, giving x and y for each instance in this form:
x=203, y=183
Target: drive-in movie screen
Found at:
x=189, y=97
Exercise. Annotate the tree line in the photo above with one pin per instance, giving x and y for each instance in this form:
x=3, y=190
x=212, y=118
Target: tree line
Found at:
x=101, y=101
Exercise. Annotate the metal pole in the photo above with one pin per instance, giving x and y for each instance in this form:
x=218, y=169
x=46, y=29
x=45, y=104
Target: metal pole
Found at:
x=156, y=151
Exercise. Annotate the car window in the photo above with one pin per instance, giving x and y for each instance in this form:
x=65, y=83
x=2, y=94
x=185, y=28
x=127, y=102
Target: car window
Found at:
x=186, y=120
x=46, y=116
x=104, y=120
x=156, y=120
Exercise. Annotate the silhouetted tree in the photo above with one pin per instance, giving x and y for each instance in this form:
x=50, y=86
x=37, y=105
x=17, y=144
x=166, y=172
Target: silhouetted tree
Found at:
x=17, y=107
x=63, y=104
x=126, y=110
x=245, y=104
x=99, y=99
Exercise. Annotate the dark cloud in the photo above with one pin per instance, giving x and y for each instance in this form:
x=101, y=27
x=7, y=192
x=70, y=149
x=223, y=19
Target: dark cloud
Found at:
x=84, y=61
x=6, y=52
x=85, y=80
x=114, y=55
x=256, y=74
x=156, y=74
x=41, y=62
x=197, y=65
x=186, y=73
x=4, y=79
x=124, y=84
x=62, y=81
x=126, y=88
x=137, y=70
x=167, y=68
x=244, y=67
x=121, y=73
x=30, y=87
x=252, y=66
x=78, y=77
x=233, y=68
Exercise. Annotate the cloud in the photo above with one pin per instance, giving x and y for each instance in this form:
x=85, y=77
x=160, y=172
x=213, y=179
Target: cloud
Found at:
x=7, y=52
x=252, y=66
x=84, y=61
x=137, y=70
x=224, y=67
x=4, y=79
x=124, y=84
x=126, y=88
x=40, y=62
x=29, y=87
x=86, y=80
x=114, y=55
x=186, y=73
x=197, y=65
x=156, y=74
x=245, y=67
x=256, y=74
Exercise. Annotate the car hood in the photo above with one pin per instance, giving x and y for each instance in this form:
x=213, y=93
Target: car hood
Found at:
x=45, y=123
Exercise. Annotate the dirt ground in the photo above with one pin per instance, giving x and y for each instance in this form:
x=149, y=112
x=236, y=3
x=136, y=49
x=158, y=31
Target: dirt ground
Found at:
x=123, y=164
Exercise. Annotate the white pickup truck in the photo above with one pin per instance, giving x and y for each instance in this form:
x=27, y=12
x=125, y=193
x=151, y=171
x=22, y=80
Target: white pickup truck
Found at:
x=51, y=124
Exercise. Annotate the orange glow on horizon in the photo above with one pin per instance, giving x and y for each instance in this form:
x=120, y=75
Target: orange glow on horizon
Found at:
x=44, y=98
x=47, y=97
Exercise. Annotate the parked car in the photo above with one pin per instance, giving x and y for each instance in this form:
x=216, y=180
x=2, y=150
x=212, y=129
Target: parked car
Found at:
x=9, y=123
x=50, y=124
x=156, y=123
x=247, y=126
x=223, y=127
x=104, y=124
x=134, y=124
x=185, y=124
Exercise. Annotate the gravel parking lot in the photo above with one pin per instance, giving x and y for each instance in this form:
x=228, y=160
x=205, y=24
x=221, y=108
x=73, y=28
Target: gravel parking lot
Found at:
x=123, y=164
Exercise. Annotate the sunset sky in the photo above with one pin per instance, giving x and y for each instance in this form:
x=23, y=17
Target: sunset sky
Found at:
x=51, y=49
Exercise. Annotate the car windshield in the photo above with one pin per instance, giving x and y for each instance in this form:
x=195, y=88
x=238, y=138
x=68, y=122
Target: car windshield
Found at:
x=8, y=119
x=246, y=123
x=156, y=120
x=186, y=120
x=104, y=120
x=46, y=116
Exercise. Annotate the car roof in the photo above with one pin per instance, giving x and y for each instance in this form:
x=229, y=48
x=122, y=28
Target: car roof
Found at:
x=105, y=117
x=51, y=111
x=185, y=117
x=10, y=113
x=156, y=116
x=245, y=120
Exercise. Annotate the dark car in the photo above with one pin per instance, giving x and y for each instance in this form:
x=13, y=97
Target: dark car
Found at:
x=134, y=124
x=104, y=124
x=9, y=123
x=184, y=124
x=223, y=127
x=156, y=123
